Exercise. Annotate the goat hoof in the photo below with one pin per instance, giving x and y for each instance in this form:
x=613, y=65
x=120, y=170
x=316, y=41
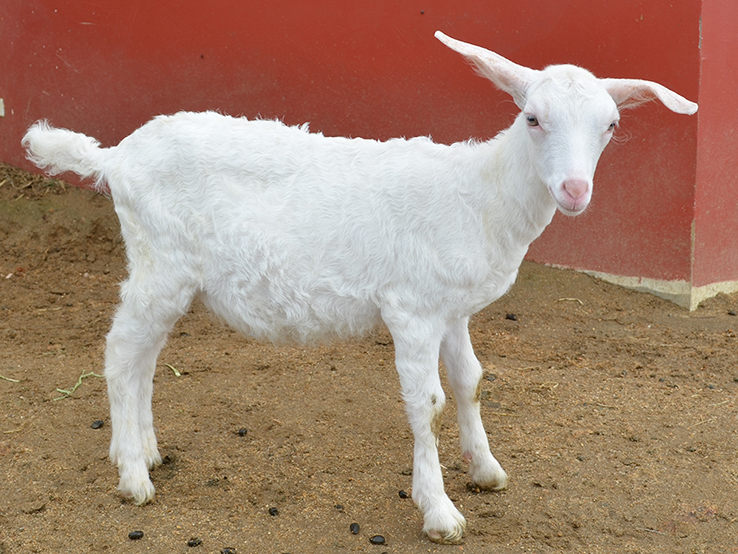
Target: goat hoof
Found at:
x=455, y=536
x=498, y=483
x=137, y=486
x=445, y=526
x=490, y=477
x=140, y=496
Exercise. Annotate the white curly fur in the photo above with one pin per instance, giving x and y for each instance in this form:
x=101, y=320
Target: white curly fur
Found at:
x=293, y=236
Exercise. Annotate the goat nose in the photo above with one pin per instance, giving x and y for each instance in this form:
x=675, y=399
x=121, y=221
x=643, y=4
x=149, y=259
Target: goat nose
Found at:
x=576, y=187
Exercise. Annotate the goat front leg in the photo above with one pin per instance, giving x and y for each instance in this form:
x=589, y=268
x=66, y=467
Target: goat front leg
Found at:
x=465, y=375
x=416, y=358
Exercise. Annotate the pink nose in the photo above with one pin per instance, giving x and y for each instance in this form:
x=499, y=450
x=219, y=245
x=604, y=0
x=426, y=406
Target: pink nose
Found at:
x=576, y=188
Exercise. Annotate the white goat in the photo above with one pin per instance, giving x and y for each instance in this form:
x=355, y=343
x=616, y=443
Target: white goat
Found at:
x=289, y=235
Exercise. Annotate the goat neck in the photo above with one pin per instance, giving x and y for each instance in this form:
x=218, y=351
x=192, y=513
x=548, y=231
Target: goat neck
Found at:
x=518, y=204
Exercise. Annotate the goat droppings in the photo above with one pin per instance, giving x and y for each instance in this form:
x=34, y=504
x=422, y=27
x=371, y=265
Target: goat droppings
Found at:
x=273, y=512
x=194, y=542
x=354, y=527
x=377, y=539
x=135, y=535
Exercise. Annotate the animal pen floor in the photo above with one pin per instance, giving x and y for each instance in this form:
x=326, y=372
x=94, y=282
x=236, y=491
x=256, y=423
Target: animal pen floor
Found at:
x=613, y=412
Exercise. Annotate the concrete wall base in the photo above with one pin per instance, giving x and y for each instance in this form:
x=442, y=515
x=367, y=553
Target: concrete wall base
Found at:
x=681, y=293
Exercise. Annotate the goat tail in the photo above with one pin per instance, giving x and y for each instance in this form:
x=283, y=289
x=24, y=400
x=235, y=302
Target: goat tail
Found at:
x=59, y=150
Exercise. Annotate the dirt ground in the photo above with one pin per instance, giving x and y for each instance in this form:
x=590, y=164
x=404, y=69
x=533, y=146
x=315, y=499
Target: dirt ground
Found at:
x=613, y=412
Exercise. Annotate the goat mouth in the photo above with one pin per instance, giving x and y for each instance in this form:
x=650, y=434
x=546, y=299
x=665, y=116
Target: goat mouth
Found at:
x=572, y=210
x=568, y=204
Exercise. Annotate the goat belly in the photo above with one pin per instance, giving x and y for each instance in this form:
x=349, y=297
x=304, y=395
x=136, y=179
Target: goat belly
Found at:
x=263, y=309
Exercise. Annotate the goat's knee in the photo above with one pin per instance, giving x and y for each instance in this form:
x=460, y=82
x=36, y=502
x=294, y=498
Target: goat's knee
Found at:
x=436, y=415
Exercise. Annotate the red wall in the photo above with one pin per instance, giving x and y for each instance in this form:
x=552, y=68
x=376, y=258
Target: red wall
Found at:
x=715, y=256
x=375, y=70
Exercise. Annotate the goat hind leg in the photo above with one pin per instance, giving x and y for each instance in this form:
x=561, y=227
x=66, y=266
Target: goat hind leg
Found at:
x=133, y=345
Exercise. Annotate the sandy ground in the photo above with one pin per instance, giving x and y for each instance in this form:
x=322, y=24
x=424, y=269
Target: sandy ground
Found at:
x=613, y=412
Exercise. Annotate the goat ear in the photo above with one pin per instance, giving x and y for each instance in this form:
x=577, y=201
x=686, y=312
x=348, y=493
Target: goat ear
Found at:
x=629, y=93
x=508, y=76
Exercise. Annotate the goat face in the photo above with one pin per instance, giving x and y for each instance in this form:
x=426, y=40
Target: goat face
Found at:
x=570, y=118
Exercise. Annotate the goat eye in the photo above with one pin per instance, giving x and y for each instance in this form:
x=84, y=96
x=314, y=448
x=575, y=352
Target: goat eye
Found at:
x=612, y=126
x=532, y=120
